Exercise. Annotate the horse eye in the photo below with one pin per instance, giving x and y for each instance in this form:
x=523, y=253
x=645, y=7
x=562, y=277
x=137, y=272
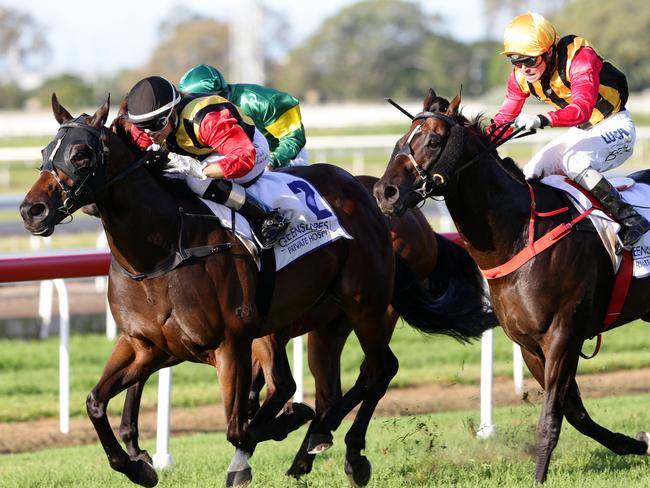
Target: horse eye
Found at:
x=434, y=140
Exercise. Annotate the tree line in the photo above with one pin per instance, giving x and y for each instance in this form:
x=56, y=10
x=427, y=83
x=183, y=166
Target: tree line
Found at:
x=367, y=51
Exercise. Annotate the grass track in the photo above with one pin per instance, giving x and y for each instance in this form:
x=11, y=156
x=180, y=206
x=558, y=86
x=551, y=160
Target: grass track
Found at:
x=418, y=451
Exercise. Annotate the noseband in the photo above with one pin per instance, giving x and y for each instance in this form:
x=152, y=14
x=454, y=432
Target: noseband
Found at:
x=57, y=156
x=87, y=182
x=429, y=181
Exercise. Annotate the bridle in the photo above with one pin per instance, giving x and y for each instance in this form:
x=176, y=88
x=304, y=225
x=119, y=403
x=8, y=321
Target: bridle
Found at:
x=432, y=180
x=429, y=181
x=89, y=181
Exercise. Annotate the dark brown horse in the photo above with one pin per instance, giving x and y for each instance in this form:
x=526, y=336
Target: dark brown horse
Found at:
x=201, y=306
x=449, y=273
x=551, y=304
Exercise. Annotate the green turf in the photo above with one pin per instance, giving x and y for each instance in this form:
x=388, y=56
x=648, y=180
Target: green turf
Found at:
x=29, y=369
x=438, y=450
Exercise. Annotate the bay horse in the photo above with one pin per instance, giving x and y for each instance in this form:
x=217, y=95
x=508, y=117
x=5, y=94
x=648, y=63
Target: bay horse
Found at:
x=552, y=303
x=173, y=305
x=450, y=274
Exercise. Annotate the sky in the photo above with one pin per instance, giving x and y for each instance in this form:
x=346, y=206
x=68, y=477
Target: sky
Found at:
x=92, y=37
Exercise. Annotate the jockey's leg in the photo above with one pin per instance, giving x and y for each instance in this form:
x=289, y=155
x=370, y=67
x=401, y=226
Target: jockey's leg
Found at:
x=268, y=224
x=591, y=152
x=633, y=225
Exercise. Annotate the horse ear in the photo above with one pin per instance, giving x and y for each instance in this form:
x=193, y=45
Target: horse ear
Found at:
x=453, y=105
x=122, y=110
x=431, y=96
x=60, y=114
x=98, y=119
x=121, y=123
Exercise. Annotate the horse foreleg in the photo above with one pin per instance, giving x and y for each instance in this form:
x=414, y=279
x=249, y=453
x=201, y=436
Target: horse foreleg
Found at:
x=129, y=426
x=129, y=432
x=235, y=380
x=131, y=361
x=576, y=413
x=560, y=364
x=324, y=353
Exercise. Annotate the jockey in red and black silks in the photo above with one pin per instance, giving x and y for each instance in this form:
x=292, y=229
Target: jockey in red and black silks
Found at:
x=588, y=94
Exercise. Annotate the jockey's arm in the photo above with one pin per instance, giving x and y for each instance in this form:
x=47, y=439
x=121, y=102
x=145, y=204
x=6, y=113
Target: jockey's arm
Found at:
x=584, y=75
x=221, y=132
x=288, y=148
x=512, y=104
x=140, y=137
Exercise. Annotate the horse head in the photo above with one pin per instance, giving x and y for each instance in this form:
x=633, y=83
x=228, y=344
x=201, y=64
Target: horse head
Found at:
x=424, y=159
x=74, y=170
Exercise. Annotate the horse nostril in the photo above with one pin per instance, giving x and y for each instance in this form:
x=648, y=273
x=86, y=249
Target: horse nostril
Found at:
x=391, y=193
x=34, y=211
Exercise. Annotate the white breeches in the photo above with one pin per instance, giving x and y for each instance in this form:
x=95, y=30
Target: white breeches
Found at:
x=605, y=146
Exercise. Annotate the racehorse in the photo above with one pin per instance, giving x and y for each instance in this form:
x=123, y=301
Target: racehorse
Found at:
x=550, y=304
x=176, y=303
x=450, y=274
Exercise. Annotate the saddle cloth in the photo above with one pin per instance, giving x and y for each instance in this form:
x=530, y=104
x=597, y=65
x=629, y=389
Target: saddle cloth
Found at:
x=637, y=194
x=313, y=223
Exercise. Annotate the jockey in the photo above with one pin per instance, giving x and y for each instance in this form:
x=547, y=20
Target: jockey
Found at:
x=276, y=114
x=588, y=94
x=211, y=141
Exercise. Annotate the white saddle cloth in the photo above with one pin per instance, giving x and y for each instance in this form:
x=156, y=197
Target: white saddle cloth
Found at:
x=637, y=194
x=313, y=223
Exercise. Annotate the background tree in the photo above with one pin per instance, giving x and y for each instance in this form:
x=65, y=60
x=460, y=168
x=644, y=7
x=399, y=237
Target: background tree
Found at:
x=373, y=49
x=193, y=40
x=21, y=40
x=76, y=92
x=620, y=31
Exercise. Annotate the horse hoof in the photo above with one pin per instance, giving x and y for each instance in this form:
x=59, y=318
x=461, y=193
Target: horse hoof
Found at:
x=298, y=469
x=304, y=411
x=644, y=437
x=319, y=443
x=359, y=475
x=143, y=474
x=143, y=456
x=239, y=479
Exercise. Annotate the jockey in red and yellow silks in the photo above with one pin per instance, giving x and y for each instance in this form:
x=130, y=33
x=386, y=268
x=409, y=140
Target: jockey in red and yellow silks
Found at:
x=588, y=94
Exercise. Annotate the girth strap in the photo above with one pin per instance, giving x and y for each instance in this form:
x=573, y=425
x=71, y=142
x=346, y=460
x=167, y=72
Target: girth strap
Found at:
x=173, y=261
x=180, y=256
x=535, y=246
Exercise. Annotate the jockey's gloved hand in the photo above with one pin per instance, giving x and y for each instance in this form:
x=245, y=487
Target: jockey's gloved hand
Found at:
x=529, y=122
x=179, y=163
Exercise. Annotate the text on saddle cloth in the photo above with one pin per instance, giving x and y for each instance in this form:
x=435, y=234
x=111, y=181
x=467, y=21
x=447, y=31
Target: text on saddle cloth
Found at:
x=313, y=223
x=637, y=194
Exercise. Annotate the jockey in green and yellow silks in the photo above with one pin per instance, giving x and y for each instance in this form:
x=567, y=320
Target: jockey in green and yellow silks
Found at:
x=276, y=114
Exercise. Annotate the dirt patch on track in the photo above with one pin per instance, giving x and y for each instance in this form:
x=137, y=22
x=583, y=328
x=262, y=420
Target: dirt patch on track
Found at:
x=42, y=434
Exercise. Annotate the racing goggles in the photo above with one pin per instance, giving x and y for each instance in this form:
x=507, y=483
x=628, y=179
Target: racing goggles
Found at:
x=520, y=61
x=155, y=125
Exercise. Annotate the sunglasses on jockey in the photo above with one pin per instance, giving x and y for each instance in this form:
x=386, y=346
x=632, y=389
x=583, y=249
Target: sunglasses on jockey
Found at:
x=156, y=125
x=520, y=61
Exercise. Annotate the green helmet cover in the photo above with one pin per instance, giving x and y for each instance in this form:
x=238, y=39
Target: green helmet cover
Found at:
x=202, y=79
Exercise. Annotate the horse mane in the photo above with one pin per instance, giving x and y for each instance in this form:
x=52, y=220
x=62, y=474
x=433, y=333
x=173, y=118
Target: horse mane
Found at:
x=477, y=127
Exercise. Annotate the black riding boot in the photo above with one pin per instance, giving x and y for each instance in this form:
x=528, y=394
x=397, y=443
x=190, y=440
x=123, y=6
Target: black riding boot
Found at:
x=633, y=225
x=267, y=224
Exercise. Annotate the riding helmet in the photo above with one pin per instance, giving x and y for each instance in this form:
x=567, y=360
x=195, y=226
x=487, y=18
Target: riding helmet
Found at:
x=529, y=34
x=150, y=98
x=202, y=79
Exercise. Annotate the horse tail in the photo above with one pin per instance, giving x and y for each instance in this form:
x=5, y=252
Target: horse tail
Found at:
x=456, y=302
